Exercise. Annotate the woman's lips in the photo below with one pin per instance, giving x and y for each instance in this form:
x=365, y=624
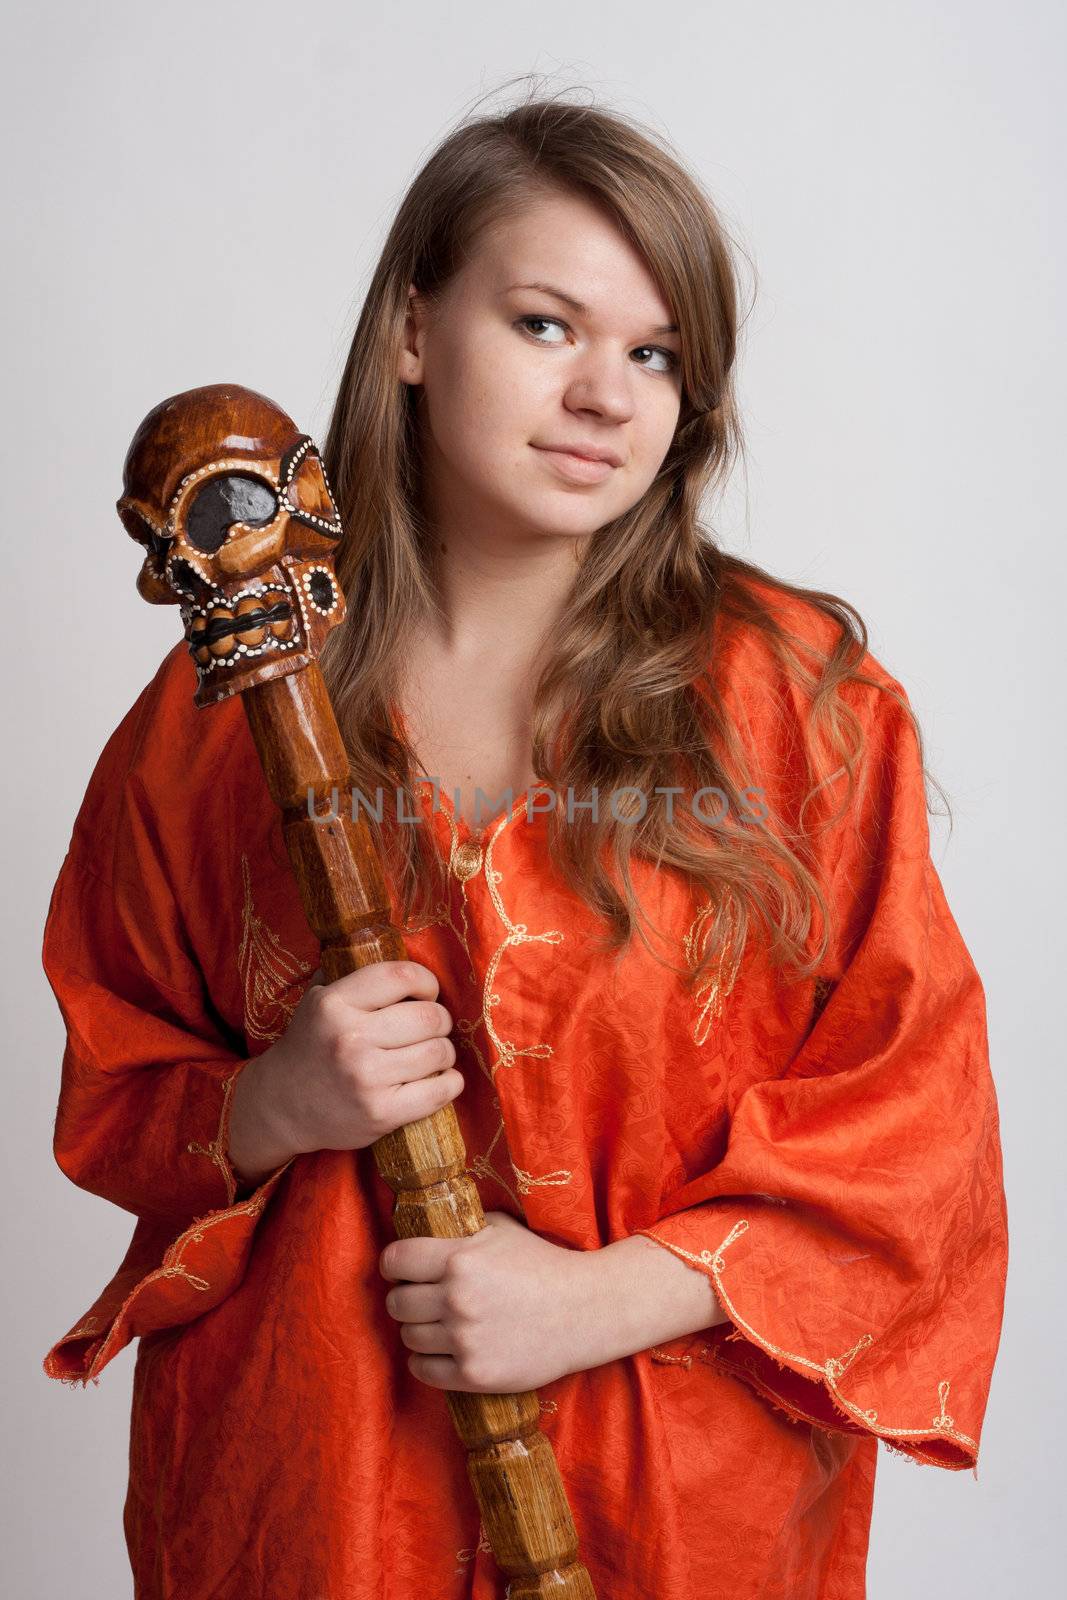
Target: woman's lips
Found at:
x=579, y=469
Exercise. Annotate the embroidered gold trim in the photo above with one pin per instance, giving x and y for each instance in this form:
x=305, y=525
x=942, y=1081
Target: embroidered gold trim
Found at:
x=465, y=860
x=172, y=1267
x=667, y=1360
x=178, y=1271
x=84, y=1329
x=506, y=1052
x=483, y=1544
x=478, y=1165
x=548, y=1180
x=789, y=1407
x=441, y=916
x=831, y=1370
x=712, y=991
x=217, y=1150
x=268, y=971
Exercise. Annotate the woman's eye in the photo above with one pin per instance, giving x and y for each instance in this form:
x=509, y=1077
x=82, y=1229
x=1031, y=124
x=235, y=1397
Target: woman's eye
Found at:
x=670, y=360
x=669, y=357
x=545, y=322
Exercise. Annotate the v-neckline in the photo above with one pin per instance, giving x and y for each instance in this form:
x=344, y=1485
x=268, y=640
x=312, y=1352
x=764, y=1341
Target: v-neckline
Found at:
x=463, y=828
x=446, y=800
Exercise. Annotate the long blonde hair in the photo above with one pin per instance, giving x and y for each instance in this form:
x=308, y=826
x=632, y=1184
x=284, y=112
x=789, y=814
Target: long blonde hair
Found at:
x=627, y=697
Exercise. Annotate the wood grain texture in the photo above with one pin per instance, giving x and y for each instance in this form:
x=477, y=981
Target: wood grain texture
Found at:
x=257, y=598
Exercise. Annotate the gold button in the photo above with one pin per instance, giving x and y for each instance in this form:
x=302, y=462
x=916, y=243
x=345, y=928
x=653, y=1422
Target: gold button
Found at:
x=466, y=860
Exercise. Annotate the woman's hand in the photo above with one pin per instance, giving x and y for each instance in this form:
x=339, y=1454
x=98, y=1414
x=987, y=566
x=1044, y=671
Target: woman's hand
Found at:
x=361, y=1056
x=504, y=1310
x=498, y=1312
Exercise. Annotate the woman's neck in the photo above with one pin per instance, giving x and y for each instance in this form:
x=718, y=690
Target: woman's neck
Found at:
x=497, y=606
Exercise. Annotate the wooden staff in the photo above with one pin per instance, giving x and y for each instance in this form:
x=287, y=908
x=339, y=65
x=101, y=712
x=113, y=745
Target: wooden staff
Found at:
x=232, y=505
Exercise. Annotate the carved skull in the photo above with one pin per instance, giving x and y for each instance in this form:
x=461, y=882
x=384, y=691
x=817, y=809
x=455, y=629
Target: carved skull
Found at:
x=231, y=503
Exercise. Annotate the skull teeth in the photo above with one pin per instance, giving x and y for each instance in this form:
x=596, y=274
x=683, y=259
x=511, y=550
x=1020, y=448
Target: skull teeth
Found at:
x=232, y=645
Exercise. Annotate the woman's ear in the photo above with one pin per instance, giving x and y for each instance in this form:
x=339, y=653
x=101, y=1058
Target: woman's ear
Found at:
x=410, y=361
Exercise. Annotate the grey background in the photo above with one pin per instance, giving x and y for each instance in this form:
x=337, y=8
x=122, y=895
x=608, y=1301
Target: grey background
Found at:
x=198, y=193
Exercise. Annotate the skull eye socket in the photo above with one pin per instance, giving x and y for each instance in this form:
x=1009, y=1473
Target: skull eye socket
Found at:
x=223, y=501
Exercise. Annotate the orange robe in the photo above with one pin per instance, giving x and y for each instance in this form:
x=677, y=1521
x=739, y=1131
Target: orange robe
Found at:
x=826, y=1152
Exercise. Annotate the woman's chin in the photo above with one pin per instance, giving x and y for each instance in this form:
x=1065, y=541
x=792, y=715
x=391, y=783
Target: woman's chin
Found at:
x=568, y=516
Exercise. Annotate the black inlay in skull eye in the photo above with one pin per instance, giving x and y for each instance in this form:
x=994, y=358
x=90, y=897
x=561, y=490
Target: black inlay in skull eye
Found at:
x=224, y=501
x=321, y=590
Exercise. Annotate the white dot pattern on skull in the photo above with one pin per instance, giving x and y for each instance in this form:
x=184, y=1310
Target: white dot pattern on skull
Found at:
x=280, y=478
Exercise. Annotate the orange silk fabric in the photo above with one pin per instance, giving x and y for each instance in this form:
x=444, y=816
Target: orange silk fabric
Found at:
x=827, y=1152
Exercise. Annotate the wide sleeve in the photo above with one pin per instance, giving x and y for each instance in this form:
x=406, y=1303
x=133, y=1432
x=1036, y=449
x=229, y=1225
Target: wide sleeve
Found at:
x=855, y=1230
x=147, y=1076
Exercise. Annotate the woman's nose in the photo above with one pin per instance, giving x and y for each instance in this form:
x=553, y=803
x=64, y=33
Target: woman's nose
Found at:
x=604, y=386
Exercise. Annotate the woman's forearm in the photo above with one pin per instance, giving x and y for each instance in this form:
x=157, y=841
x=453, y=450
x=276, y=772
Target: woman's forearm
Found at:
x=631, y=1295
x=638, y=1295
x=257, y=1145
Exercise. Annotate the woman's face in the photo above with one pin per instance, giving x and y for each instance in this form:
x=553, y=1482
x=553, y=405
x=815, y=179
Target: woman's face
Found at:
x=511, y=375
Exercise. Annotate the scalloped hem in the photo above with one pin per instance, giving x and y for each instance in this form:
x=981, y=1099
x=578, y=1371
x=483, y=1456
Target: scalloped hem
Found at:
x=198, y=1270
x=939, y=1444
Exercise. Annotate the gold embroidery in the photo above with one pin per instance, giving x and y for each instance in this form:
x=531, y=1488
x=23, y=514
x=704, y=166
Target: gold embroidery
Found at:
x=480, y=1165
x=172, y=1267
x=548, y=1180
x=744, y=1369
x=178, y=1271
x=84, y=1329
x=217, y=1150
x=483, y=1544
x=830, y=1370
x=438, y=916
x=506, y=1052
x=268, y=971
x=668, y=1360
x=713, y=989
x=465, y=861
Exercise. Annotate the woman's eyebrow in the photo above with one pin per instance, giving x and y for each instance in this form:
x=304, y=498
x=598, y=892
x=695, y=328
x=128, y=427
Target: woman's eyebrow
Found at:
x=576, y=305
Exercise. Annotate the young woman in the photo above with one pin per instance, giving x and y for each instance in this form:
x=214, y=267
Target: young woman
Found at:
x=681, y=961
